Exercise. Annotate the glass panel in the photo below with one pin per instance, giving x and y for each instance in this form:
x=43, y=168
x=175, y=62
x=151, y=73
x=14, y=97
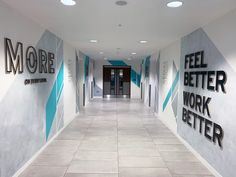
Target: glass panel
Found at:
x=120, y=86
x=113, y=82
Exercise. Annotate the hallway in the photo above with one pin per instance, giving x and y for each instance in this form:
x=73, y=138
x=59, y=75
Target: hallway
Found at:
x=116, y=138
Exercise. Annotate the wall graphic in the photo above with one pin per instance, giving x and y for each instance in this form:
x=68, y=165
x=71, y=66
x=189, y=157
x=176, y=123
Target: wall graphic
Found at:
x=86, y=79
x=77, y=82
x=172, y=94
x=135, y=77
x=206, y=110
x=157, y=82
x=97, y=90
x=147, y=66
x=86, y=68
x=31, y=114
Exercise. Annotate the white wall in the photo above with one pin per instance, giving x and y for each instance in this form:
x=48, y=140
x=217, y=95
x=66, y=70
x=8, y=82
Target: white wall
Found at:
x=81, y=77
x=85, y=80
x=69, y=82
x=166, y=78
x=153, y=77
x=145, y=80
x=23, y=33
x=221, y=32
x=91, y=75
x=150, y=81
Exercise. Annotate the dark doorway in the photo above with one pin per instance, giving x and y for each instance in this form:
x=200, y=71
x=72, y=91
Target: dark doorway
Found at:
x=116, y=81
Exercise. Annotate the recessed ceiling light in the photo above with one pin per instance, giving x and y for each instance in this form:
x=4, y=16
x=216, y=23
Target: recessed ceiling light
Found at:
x=174, y=4
x=143, y=41
x=121, y=3
x=93, y=41
x=133, y=53
x=68, y=2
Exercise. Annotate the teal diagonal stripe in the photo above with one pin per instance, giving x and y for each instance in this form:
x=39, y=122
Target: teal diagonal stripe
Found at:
x=53, y=99
x=135, y=77
x=174, y=84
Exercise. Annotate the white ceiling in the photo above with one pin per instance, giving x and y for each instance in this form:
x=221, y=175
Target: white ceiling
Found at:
x=148, y=20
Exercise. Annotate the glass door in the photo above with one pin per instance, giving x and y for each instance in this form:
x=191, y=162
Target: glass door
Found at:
x=119, y=82
x=113, y=82
x=116, y=81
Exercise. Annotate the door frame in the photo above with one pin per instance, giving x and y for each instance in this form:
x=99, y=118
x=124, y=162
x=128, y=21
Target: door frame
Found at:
x=116, y=67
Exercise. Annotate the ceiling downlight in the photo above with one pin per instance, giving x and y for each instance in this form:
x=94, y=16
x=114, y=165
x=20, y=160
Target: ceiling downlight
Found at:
x=121, y=3
x=174, y=4
x=143, y=42
x=68, y=2
x=93, y=41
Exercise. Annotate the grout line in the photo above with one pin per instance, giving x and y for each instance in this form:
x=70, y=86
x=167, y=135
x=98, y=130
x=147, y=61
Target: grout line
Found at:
x=157, y=148
x=78, y=147
x=117, y=129
x=33, y=158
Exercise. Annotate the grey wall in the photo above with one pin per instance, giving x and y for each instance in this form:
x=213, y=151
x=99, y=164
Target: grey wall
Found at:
x=217, y=41
x=30, y=114
x=222, y=106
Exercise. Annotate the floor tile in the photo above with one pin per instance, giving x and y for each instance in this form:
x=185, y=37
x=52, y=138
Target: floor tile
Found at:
x=44, y=171
x=151, y=162
x=63, y=143
x=90, y=175
x=95, y=155
x=144, y=172
x=193, y=176
x=111, y=138
x=178, y=157
x=172, y=148
x=60, y=150
x=187, y=168
x=53, y=159
x=166, y=141
x=146, y=152
x=82, y=166
x=135, y=144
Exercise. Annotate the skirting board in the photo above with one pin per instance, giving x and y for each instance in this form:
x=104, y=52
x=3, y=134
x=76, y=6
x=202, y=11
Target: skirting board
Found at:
x=190, y=148
x=27, y=164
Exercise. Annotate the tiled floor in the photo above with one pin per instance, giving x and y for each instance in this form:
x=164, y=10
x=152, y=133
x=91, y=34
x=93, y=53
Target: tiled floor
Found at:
x=116, y=138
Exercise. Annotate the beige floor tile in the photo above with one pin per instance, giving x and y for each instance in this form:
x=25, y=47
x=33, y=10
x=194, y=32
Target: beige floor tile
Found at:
x=166, y=141
x=116, y=136
x=60, y=150
x=90, y=175
x=187, y=168
x=178, y=157
x=151, y=162
x=44, y=171
x=144, y=172
x=65, y=143
x=146, y=152
x=53, y=159
x=95, y=155
x=172, y=148
x=82, y=166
